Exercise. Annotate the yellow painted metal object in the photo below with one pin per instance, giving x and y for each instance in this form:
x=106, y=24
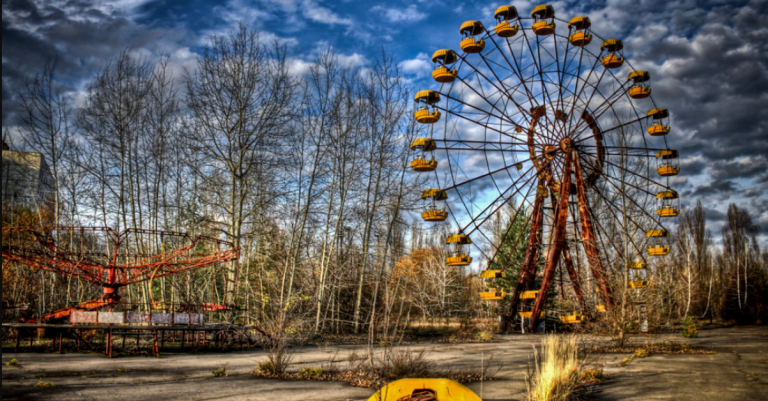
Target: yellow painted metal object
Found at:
x=575, y=318
x=658, y=233
x=458, y=239
x=434, y=215
x=668, y=211
x=638, y=284
x=505, y=29
x=580, y=39
x=440, y=389
x=658, y=129
x=505, y=13
x=445, y=57
x=529, y=294
x=427, y=96
x=668, y=170
x=667, y=154
x=580, y=23
x=493, y=295
x=528, y=314
x=658, y=250
x=460, y=260
x=612, y=61
x=670, y=194
x=492, y=274
x=658, y=114
x=543, y=28
x=638, y=265
x=639, y=76
x=612, y=45
x=600, y=308
x=444, y=75
x=472, y=28
x=544, y=11
x=639, y=92
x=470, y=45
x=420, y=164
x=438, y=194
x=425, y=117
x=425, y=144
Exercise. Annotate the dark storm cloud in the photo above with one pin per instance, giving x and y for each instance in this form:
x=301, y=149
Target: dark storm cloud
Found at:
x=714, y=214
x=712, y=188
x=747, y=168
x=83, y=37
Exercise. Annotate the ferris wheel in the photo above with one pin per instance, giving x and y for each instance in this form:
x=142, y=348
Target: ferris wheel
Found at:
x=544, y=116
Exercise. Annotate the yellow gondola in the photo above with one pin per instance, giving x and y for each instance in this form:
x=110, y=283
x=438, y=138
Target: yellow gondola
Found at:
x=638, y=284
x=459, y=249
x=528, y=314
x=581, y=36
x=668, y=203
x=600, y=308
x=667, y=165
x=443, y=59
x=492, y=274
x=544, y=15
x=427, y=147
x=657, y=248
x=470, y=44
x=614, y=58
x=493, y=294
x=658, y=128
x=574, y=318
x=435, y=208
x=638, y=265
x=425, y=99
x=529, y=294
x=505, y=29
x=641, y=88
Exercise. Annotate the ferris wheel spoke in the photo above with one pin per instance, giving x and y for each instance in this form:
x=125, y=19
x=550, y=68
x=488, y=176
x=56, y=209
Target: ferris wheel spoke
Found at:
x=473, y=220
x=480, y=74
x=478, y=123
x=491, y=173
x=581, y=91
x=610, y=101
x=616, y=218
x=654, y=219
x=481, y=111
x=612, y=128
x=509, y=95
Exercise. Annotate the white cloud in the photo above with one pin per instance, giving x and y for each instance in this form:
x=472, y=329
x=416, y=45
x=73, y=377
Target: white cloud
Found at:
x=409, y=14
x=418, y=66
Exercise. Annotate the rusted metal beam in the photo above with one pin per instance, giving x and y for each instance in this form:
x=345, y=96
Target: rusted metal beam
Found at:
x=575, y=280
x=588, y=236
x=558, y=242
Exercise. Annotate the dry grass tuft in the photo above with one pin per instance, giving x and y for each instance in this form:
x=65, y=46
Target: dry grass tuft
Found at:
x=591, y=376
x=556, y=375
x=44, y=384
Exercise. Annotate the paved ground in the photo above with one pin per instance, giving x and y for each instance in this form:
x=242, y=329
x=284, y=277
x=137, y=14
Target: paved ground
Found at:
x=738, y=371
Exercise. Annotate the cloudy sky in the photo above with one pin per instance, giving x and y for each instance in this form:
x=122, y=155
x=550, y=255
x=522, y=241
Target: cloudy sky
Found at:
x=709, y=59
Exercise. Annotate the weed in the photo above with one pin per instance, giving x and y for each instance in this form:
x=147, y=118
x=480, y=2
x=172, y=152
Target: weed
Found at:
x=267, y=367
x=484, y=335
x=44, y=384
x=385, y=343
x=592, y=376
x=221, y=372
x=310, y=372
x=12, y=362
x=690, y=330
x=640, y=353
x=556, y=374
x=626, y=361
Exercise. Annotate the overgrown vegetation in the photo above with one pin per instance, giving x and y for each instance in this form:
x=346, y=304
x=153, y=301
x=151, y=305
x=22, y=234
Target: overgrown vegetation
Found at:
x=44, y=384
x=220, y=372
x=12, y=362
x=690, y=330
x=557, y=369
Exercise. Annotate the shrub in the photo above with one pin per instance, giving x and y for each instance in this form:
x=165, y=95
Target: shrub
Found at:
x=640, y=353
x=221, y=372
x=44, y=384
x=690, y=330
x=267, y=366
x=12, y=362
x=626, y=361
x=592, y=375
x=310, y=372
x=556, y=374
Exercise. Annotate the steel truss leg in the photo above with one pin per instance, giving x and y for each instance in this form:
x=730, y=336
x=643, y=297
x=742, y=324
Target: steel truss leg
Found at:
x=589, y=238
x=528, y=271
x=557, y=243
x=575, y=280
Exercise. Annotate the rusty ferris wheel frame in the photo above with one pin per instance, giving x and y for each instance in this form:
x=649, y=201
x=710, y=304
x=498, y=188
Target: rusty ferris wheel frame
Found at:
x=561, y=122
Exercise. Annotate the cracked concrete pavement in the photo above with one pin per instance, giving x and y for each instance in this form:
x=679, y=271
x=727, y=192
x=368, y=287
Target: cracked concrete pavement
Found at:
x=737, y=371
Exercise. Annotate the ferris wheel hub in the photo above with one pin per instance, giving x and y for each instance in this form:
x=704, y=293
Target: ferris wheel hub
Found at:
x=566, y=144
